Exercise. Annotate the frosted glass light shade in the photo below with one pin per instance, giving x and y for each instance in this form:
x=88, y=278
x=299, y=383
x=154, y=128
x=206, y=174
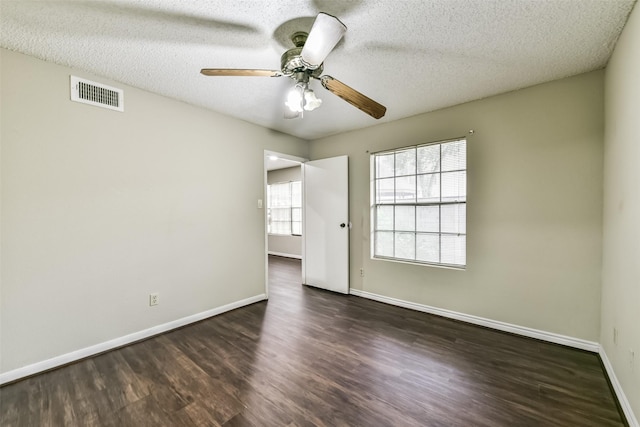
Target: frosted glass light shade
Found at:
x=311, y=102
x=294, y=99
x=326, y=32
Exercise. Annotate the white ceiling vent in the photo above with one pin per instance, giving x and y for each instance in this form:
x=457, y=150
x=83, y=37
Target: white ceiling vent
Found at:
x=92, y=93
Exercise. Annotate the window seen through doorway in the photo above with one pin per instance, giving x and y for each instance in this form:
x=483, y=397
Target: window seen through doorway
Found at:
x=284, y=208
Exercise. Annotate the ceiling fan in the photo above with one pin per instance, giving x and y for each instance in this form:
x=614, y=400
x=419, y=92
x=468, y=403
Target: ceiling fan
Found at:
x=305, y=62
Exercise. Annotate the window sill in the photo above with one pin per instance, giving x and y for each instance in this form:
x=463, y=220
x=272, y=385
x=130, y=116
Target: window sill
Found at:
x=421, y=264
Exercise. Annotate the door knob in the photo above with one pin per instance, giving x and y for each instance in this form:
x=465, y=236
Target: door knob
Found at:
x=343, y=225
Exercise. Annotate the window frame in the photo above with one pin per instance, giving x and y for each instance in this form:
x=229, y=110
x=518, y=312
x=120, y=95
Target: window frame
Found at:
x=291, y=206
x=375, y=204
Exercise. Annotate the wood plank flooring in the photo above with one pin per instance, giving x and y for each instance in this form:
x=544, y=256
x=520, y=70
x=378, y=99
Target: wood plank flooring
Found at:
x=312, y=358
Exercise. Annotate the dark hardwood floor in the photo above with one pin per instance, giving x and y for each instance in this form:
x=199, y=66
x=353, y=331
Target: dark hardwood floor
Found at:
x=310, y=357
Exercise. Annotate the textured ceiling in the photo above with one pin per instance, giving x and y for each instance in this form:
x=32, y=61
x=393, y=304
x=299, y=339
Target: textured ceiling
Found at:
x=413, y=56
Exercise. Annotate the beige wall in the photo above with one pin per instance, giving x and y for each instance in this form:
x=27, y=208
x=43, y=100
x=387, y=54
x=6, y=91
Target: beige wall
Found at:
x=285, y=245
x=534, y=207
x=621, y=261
x=100, y=208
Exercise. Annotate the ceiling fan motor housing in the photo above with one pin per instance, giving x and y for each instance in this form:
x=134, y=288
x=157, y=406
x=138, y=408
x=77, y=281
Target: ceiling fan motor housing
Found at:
x=291, y=62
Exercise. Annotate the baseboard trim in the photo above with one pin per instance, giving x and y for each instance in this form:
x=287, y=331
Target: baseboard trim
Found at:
x=83, y=353
x=285, y=255
x=481, y=321
x=617, y=388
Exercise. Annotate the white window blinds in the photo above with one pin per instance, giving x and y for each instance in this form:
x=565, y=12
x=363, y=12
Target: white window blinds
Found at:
x=419, y=204
x=284, y=208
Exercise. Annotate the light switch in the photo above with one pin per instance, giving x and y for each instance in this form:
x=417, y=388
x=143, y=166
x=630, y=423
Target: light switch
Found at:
x=259, y=203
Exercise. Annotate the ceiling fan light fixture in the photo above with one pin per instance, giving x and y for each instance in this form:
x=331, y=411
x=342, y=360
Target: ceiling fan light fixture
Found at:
x=311, y=101
x=295, y=99
x=326, y=32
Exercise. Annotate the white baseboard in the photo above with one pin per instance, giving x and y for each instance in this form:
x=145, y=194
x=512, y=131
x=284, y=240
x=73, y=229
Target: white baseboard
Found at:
x=617, y=388
x=493, y=324
x=285, y=255
x=64, y=359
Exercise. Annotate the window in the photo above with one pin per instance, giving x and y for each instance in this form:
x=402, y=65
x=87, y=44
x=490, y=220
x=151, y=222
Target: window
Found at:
x=284, y=208
x=419, y=197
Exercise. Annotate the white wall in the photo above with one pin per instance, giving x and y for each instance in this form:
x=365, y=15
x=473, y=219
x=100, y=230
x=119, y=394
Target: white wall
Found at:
x=621, y=253
x=100, y=208
x=534, y=207
x=278, y=244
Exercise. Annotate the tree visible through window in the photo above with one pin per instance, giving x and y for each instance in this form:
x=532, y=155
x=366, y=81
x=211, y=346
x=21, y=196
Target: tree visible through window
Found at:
x=419, y=204
x=284, y=208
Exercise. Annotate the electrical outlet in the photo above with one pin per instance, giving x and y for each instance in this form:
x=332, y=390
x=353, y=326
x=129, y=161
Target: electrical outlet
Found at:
x=362, y=272
x=154, y=299
x=615, y=336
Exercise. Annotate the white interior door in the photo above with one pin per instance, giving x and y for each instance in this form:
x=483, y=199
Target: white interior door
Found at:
x=326, y=224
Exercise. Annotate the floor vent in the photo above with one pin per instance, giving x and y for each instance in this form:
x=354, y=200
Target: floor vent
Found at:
x=92, y=93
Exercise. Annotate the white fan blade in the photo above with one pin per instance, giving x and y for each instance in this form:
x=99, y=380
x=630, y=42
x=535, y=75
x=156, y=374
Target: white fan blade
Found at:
x=325, y=34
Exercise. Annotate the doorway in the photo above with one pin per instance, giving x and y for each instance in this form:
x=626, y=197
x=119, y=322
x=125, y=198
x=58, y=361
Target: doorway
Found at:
x=321, y=216
x=283, y=208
